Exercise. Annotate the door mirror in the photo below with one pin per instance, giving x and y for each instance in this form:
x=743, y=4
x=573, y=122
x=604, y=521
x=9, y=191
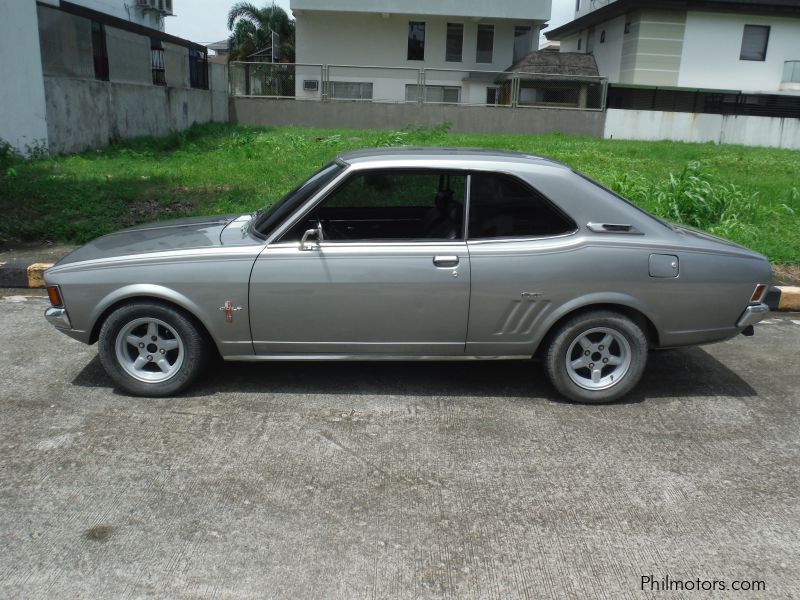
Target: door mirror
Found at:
x=311, y=233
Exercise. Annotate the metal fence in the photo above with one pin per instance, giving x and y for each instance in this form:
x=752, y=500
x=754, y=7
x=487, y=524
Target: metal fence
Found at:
x=361, y=83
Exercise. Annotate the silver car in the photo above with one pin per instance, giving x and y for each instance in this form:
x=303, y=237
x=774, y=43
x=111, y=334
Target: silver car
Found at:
x=412, y=254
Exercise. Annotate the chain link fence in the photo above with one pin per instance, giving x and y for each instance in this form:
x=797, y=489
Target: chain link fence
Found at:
x=359, y=83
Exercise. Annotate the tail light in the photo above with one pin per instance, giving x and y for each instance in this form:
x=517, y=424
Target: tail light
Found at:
x=759, y=293
x=54, y=293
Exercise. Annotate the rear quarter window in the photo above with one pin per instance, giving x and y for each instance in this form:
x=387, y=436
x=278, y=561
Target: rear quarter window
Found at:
x=502, y=206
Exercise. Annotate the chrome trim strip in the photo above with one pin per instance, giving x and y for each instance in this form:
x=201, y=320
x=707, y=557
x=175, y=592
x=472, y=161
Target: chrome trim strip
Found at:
x=370, y=357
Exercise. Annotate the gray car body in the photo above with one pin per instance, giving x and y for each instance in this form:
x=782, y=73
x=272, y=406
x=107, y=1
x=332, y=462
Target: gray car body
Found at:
x=386, y=299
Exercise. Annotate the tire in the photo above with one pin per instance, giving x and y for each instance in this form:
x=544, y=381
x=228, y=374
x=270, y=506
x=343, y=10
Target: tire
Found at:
x=152, y=349
x=596, y=357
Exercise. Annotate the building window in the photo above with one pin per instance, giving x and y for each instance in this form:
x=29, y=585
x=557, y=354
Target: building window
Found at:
x=603, y=36
x=485, y=44
x=351, y=90
x=442, y=94
x=416, y=40
x=628, y=27
x=580, y=39
x=198, y=69
x=754, y=42
x=522, y=42
x=157, y=62
x=455, y=42
x=99, y=51
x=492, y=96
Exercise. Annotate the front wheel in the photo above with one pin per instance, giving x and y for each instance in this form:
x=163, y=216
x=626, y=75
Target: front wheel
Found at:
x=151, y=349
x=596, y=357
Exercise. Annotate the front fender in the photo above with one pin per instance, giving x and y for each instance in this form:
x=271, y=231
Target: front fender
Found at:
x=148, y=291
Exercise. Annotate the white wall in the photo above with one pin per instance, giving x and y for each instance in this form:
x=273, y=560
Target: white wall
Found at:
x=504, y=9
x=711, y=49
x=122, y=9
x=374, y=40
x=609, y=54
x=693, y=127
x=23, y=120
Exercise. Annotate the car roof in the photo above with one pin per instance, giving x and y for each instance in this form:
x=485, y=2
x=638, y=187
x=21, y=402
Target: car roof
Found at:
x=431, y=153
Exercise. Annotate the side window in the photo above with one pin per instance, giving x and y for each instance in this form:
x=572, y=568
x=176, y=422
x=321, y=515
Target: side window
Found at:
x=391, y=205
x=502, y=206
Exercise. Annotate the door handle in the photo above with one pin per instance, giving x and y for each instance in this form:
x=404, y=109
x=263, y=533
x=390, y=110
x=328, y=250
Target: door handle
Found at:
x=445, y=261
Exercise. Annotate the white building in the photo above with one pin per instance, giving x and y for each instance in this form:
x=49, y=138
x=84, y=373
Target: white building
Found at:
x=747, y=45
x=83, y=73
x=453, y=40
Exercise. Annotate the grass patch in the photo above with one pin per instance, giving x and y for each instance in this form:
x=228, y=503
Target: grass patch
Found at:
x=750, y=195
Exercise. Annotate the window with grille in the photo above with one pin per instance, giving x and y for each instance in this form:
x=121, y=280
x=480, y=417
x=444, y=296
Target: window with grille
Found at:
x=416, y=40
x=198, y=69
x=522, y=42
x=485, y=44
x=99, y=51
x=754, y=42
x=157, y=62
x=455, y=42
x=445, y=94
x=351, y=90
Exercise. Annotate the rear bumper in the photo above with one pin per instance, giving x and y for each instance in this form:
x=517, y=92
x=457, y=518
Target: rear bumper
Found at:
x=752, y=315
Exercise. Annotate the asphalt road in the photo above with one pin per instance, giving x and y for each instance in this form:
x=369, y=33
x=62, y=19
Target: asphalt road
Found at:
x=396, y=480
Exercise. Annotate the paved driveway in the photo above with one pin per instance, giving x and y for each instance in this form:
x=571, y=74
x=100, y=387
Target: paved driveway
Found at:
x=396, y=480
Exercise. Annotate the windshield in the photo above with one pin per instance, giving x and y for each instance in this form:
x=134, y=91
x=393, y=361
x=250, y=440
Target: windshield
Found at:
x=275, y=214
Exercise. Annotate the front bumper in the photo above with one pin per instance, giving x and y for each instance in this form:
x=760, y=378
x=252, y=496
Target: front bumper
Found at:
x=752, y=315
x=58, y=318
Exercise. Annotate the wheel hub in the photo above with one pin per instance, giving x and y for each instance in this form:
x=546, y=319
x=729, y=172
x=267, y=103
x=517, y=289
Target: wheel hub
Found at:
x=149, y=350
x=598, y=358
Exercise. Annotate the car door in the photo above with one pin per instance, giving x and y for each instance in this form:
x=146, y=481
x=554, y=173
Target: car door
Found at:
x=390, y=274
x=523, y=260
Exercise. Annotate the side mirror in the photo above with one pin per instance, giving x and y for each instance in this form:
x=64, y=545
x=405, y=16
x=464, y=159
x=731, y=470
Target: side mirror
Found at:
x=305, y=244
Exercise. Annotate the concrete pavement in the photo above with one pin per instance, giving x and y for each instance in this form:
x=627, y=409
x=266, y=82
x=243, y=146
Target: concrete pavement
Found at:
x=396, y=480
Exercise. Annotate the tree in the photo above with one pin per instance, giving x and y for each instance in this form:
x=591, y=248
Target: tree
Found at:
x=251, y=30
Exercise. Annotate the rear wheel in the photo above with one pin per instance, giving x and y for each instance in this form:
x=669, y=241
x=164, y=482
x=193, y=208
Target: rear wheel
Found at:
x=596, y=357
x=151, y=349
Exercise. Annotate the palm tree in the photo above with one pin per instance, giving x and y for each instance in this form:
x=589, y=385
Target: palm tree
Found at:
x=251, y=30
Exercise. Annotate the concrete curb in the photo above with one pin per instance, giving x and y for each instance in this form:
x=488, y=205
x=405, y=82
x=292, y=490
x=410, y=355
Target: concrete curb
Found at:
x=783, y=298
x=31, y=275
x=23, y=275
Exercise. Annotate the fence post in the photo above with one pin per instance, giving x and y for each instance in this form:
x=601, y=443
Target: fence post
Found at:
x=324, y=83
x=514, y=90
x=421, y=86
x=604, y=97
x=246, y=79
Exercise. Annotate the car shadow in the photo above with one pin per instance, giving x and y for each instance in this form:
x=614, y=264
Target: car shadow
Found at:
x=669, y=374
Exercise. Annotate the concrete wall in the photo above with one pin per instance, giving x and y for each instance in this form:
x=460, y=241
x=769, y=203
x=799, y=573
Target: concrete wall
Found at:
x=83, y=112
x=713, y=44
x=89, y=114
x=23, y=122
x=478, y=119
x=694, y=127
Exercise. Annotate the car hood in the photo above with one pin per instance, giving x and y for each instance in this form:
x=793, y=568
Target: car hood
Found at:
x=178, y=234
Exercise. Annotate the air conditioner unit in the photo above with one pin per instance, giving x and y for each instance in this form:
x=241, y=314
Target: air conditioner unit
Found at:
x=163, y=7
x=310, y=85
